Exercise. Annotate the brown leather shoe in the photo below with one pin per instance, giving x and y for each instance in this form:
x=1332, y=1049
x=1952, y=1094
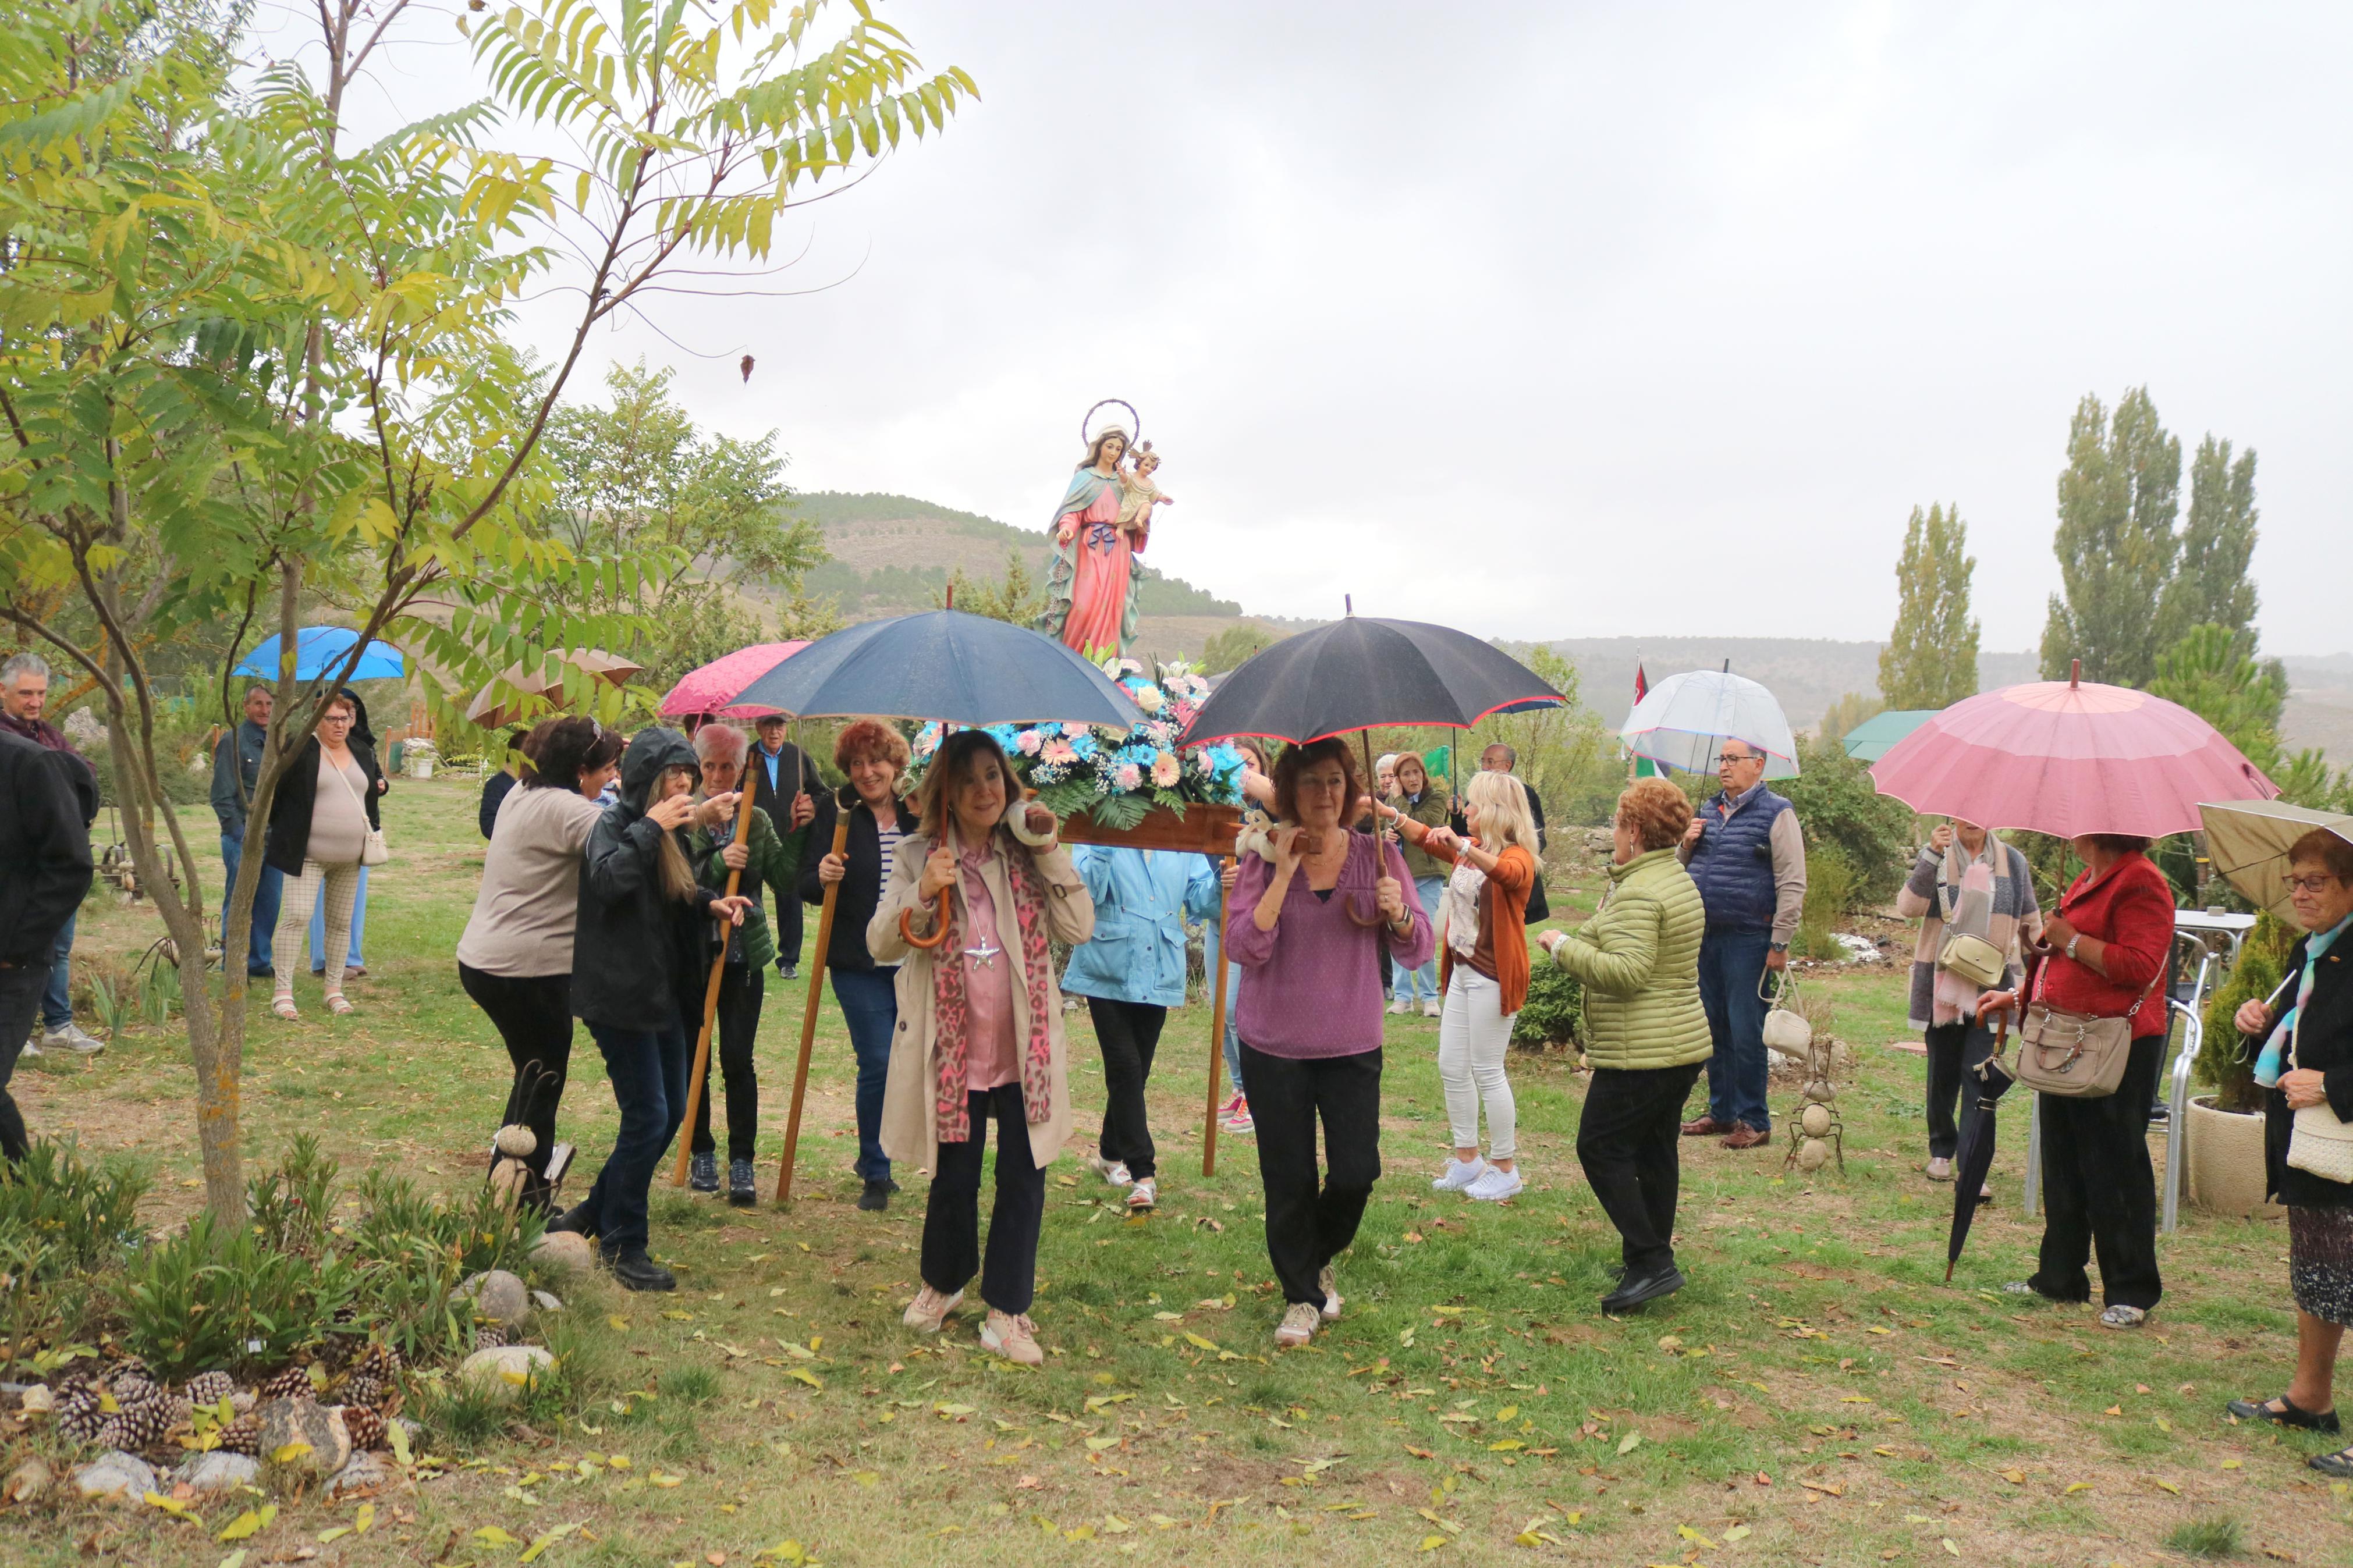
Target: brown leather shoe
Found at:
x=1706, y=1127
x=1746, y=1137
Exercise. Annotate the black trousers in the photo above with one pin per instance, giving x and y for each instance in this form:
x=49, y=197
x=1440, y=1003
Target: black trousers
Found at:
x=2099, y=1190
x=1629, y=1141
x=21, y=986
x=533, y=1016
x=741, y=988
x=1308, y=1221
x=1129, y=1033
x=1954, y=1049
x=1008, y=1278
x=788, y=926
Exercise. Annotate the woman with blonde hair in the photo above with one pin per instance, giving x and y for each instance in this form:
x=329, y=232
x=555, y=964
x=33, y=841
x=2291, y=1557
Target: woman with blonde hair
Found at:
x=967, y=915
x=1638, y=959
x=1480, y=911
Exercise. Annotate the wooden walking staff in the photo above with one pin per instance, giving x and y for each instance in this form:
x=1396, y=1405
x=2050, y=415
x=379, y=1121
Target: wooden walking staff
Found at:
x=809, y=1005
x=743, y=810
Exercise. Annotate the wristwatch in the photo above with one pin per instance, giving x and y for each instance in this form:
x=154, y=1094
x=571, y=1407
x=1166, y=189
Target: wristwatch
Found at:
x=2071, y=943
x=1779, y=946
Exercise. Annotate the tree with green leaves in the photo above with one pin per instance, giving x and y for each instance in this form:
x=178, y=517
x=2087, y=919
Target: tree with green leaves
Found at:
x=1018, y=596
x=1229, y=648
x=248, y=373
x=2210, y=584
x=1851, y=710
x=2213, y=672
x=1931, y=656
x=2118, y=499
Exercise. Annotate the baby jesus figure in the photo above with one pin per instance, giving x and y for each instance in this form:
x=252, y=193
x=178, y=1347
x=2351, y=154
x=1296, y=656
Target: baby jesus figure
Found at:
x=1139, y=495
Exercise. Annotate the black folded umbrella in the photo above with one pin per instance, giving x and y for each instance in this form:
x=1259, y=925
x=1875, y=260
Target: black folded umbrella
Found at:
x=1977, y=1147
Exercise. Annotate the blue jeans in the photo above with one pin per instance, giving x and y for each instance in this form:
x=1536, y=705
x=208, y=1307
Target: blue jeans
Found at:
x=319, y=929
x=1422, y=985
x=1731, y=964
x=265, y=894
x=56, y=997
x=648, y=1070
x=868, y=999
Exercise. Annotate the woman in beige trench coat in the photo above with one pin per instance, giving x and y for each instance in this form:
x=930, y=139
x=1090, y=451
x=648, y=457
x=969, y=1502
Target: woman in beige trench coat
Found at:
x=980, y=1029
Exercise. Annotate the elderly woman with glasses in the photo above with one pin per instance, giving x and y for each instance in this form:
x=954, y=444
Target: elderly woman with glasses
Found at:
x=319, y=824
x=2305, y=1035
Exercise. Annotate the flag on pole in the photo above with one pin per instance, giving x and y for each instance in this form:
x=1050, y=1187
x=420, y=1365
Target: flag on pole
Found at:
x=1643, y=767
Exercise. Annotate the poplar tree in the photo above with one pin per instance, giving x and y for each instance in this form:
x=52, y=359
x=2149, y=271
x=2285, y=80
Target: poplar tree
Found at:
x=2118, y=499
x=1931, y=656
x=2211, y=586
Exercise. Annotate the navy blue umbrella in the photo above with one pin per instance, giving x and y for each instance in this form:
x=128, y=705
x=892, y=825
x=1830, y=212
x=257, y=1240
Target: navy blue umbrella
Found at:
x=945, y=665
x=1363, y=673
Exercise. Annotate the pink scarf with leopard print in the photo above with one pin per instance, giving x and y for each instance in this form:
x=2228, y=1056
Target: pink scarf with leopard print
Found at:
x=951, y=1107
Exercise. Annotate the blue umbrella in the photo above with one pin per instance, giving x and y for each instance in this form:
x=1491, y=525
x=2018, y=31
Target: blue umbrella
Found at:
x=945, y=665
x=319, y=651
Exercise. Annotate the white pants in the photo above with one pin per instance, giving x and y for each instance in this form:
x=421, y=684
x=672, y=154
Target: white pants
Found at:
x=340, y=886
x=1474, y=1033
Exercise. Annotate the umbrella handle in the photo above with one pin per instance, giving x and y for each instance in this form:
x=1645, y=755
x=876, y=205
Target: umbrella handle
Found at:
x=907, y=920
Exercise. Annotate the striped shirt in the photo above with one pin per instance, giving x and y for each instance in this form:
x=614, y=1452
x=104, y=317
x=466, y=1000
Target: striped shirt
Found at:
x=887, y=836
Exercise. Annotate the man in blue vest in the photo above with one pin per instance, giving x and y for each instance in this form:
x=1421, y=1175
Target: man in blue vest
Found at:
x=1748, y=856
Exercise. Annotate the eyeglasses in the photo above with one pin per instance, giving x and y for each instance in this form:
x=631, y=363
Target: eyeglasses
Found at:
x=1736, y=757
x=2312, y=884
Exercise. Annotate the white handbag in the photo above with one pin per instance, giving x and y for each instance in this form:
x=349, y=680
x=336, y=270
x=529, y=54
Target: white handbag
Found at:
x=2320, y=1143
x=1786, y=1029
x=373, y=851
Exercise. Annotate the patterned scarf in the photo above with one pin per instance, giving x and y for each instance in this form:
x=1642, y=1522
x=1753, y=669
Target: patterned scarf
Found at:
x=1974, y=897
x=952, y=1107
x=2282, y=1036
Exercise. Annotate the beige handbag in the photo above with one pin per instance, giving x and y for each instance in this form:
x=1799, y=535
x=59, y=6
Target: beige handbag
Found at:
x=1973, y=959
x=1786, y=1029
x=2320, y=1143
x=2075, y=1055
x=373, y=851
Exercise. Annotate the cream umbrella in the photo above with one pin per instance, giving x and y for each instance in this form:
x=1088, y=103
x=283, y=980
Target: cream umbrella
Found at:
x=521, y=690
x=2247, y=840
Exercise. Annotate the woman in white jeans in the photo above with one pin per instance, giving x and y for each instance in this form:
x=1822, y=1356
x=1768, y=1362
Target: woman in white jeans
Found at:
x=1483, y=947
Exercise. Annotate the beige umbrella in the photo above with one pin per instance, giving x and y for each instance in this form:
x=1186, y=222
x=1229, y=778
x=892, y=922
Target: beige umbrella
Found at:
x=510, y=698
x=2248, y=842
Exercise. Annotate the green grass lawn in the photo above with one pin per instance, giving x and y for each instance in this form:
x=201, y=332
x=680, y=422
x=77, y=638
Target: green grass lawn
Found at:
x=1816, y=1394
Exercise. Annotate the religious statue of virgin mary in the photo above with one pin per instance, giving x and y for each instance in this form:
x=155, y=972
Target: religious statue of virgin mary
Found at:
x=1091, y=593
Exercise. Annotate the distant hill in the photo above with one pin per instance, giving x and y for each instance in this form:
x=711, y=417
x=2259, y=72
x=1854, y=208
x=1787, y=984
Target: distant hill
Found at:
x=893, y=554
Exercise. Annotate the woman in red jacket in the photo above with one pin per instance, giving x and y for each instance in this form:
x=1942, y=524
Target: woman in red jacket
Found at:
x=2104, y=954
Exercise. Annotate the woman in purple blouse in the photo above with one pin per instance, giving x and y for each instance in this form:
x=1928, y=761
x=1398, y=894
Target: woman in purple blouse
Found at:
x=1311, y=930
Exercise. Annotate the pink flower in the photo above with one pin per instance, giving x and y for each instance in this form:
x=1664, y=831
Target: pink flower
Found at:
x=1030, y=744
x=1062, y=752
x=1164, y=770
x=1129, y=775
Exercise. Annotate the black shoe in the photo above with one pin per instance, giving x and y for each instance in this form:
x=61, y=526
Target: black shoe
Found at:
x=788, y=971
x=706, y=1174
x=1633, y=1292
x=743, y=1188
x=877, y=1196
x=2288, y=1415
x=636, y=1271
x=2159, y=1114
x=889, y=1184
x=574, y=1220
x=1617, y=1271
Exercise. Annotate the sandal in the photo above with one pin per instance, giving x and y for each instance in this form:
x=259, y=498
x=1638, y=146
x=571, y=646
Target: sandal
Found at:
x=2123, y=1317
x=284, y=1008
x=2338, y=1464
x=2284, y=1411
x=336, y=1004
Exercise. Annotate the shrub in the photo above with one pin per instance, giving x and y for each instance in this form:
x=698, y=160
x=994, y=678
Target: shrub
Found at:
x=1551, y=1015
x=1829, y=893
x=1839, y=807
x=72, y=1215
x=2263, y=963
x=203, y=1302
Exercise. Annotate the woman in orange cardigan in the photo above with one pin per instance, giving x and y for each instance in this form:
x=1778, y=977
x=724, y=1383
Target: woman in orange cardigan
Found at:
x=1484, y=978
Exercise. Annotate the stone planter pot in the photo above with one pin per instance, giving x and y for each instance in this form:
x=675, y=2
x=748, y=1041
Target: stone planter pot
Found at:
x=2225, y=1158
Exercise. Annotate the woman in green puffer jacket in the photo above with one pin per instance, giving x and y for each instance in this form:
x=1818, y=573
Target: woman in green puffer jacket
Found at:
x=1638, y=959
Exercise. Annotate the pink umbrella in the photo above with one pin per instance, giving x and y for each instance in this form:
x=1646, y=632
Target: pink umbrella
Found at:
x=2063, y=758
x=713, y=687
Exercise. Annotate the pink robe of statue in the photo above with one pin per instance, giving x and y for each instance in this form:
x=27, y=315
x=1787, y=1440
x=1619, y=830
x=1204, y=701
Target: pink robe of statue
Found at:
x=1101, y=570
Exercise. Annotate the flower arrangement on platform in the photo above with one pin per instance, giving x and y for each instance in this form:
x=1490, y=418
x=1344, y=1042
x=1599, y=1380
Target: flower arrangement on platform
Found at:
x=1117, y=776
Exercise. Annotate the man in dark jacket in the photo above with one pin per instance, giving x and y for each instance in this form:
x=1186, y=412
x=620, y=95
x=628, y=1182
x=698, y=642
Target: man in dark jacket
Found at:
x=24, y=693
x=236, y=768
x=46, y=801
x=784, y=785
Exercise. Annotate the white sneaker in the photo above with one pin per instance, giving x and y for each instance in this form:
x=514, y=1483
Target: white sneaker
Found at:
x=1432, y=1009
x=1111, y=1171
x=1298, y=1325
x=929, y=1310
x=1495, y=1186
x=72, y=1038
x=1327, y=1280
x=1400, y=1007
x=1459, y=1176
x=32, y=1049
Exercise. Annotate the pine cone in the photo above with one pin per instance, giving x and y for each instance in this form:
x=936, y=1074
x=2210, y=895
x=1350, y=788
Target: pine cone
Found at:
x=210, y=1388
x=78, y=1417
x=294, y=1383
x=365, y=1425
x=243, y=1436
x=114, y=1431
x=490, y=1336
x=382, y=1359
x=140, y=1425
x=360, y=1389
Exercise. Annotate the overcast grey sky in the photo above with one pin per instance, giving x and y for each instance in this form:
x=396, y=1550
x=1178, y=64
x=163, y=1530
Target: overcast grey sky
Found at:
x=1569, y=320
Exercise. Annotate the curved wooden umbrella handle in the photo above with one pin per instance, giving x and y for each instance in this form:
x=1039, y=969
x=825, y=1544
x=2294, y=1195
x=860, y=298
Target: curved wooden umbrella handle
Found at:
x=907, y=921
